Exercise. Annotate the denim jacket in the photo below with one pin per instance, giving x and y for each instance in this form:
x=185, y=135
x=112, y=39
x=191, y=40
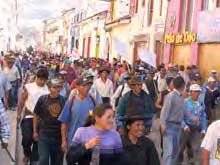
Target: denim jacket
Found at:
x=194, y=110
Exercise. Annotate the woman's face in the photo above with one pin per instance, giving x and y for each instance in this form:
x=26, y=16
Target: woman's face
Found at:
x=136, y=129
x=106, y=122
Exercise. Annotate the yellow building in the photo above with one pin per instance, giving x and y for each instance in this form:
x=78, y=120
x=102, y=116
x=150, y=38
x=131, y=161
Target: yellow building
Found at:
x=139, y=25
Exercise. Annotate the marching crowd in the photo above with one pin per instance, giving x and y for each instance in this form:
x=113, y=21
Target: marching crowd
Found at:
x=91, y=112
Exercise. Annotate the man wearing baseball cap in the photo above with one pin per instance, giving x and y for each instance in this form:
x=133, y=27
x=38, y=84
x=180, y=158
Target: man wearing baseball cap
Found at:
x=76, y=110
x=194, y=125
x=47, y=128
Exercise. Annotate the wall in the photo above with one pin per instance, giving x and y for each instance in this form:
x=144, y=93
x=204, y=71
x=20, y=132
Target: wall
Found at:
x=209, y=59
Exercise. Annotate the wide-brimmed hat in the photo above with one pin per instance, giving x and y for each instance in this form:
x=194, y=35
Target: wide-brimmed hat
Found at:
x=101, y=69
x=136, y=80
x=135, y=113
x=83, y=81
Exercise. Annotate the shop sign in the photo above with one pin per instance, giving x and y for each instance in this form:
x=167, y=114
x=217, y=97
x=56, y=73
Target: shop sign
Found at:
x=182, y=38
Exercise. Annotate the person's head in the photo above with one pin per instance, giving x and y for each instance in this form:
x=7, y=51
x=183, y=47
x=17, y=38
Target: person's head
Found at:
x=104, y=72
x=55, y=85
x=170, y=67
x=136, y=84
x=179, y=83
x=9, y=59
x=42, y=77
x=135, y=127
x=181, y=68
x=169, y=81
x=214, y=74
x=102, y=117
x=195, y=90
x=83, y=86
x=150, y=75
x=127, y=78
x=211, y=82
x=189, y=70
x=162, y=72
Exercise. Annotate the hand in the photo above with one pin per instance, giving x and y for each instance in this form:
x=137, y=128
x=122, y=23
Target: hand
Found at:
x=186, y=129
x=121, y=131
x=4, y=145
x=64, y=146
x=35, y=136
x=162, y=129
x=93, y=142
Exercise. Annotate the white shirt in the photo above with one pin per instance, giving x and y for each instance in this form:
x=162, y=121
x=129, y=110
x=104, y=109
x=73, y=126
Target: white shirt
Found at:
x=105, y=89
x=12, y=73
x=162, y=84
x=211, y=142
x=34, y=93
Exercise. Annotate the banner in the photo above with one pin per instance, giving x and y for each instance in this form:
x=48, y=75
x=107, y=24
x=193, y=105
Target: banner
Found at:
x=122, y=49
x=147, y=56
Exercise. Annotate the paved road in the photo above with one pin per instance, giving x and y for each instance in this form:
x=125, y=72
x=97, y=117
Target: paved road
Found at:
x=5, y=160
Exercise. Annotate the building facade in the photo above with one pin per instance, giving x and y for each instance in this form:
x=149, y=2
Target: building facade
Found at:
x=189, y=25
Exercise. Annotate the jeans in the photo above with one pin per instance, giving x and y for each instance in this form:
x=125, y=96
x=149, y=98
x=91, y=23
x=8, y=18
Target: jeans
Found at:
x=171, y=140
x=49, y=149
x=30, y=147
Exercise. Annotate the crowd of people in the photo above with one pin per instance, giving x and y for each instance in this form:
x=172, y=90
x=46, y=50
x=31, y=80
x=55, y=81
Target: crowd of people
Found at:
x=92, y=111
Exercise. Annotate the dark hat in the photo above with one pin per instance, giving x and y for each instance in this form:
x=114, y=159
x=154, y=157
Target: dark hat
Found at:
x=135, y=113
x=197, y=76
x=136, y=80
x=83, y=81
x=127, y=76
x=101, y=69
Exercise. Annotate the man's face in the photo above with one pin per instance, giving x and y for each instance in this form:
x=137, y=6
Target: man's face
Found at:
x=84, y=89
x=195, y=95
x=104, y=74
x=137, y=88
x=163, y=73
x=41, y=81
x=55, y=90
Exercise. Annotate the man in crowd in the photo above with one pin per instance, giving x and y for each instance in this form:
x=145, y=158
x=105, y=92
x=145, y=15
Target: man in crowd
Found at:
x=47, y=128
x=29, y=97
x=76, y=110
x=5, y=87
x=161, y=80
x=171, y=118
x=104, y=85
x=71, y=73
x=151, y=85
x=210, y=146
x=137, y=96
x=13, y=75
x=194, y=125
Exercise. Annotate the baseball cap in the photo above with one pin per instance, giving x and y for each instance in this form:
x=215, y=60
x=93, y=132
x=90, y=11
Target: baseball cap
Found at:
x=211, y=79
x=55, y=82
x=83, y=81
x=195, y=87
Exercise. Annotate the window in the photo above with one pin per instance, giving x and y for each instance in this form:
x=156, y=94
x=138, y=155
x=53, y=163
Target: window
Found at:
x=161, y=7
x=150, y=11
x=189, y=15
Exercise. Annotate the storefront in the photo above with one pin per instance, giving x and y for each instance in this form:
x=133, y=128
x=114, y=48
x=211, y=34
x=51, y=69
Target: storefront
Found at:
x=209, y=41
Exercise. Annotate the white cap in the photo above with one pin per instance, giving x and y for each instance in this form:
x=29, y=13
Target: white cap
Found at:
x=195, y=87
x=213, y=71
x=211, y=79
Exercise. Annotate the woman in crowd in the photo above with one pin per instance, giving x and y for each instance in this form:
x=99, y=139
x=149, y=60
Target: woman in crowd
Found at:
x=138, y=149
x=97, y=144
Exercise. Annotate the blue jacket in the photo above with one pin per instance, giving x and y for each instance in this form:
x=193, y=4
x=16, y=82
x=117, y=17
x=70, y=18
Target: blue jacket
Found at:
x=194, y=110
